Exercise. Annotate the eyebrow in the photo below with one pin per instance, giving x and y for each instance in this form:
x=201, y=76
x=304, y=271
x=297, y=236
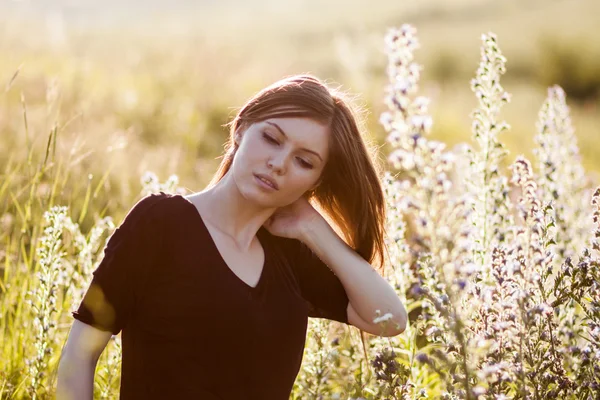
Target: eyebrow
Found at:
x=283, y=133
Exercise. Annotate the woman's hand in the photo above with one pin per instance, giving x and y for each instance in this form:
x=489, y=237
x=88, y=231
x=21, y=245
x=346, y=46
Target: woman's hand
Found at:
x=289, y=221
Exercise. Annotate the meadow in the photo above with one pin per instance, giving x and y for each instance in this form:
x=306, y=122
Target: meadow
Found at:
x=494, y=214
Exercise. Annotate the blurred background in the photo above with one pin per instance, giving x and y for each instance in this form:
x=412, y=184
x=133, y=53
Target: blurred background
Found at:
x=130, y=86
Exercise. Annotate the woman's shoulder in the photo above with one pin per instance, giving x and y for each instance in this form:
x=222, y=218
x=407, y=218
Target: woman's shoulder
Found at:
x=151, y=203
x=155, y=207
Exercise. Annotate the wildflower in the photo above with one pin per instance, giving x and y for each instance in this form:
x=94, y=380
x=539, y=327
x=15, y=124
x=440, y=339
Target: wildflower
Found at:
x=422, y=358
x=383, y=318
x=491, y=205
x=562, y=177
x=151, y=184
x=43, y=298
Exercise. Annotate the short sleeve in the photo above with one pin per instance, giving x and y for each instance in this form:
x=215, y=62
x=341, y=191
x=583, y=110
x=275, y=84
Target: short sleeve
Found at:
x=320, y=286
x=118, y=280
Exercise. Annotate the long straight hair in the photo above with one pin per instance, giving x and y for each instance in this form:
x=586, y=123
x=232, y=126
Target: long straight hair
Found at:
x=350, y=191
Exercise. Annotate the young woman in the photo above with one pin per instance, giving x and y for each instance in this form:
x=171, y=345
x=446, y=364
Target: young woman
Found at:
x=212, y=290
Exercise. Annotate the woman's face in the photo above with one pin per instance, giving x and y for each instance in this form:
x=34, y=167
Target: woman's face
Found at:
x=291, y=151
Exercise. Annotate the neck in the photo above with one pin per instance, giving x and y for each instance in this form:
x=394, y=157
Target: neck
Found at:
x=224, y=208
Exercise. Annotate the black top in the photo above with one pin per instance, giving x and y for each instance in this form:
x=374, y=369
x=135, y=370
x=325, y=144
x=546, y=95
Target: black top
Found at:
x=191, y=328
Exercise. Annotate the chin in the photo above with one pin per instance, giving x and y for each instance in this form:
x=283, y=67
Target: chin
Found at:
x=267, y=200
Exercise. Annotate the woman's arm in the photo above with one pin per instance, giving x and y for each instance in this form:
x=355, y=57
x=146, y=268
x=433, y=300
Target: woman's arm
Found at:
x=78, y=362
x=367, y=291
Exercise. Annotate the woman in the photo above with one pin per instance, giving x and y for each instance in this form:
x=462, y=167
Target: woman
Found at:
x=212, y=291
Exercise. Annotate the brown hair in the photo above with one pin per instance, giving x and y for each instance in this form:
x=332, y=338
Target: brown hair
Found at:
x=350, y=191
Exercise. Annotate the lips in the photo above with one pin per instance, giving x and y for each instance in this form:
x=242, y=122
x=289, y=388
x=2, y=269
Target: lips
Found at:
x=268, y=179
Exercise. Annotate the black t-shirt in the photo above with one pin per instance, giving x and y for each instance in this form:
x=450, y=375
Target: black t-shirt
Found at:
x=190, y=327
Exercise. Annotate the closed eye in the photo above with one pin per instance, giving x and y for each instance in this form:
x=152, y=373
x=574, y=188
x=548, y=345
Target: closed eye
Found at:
x=269, y=139
x=305, y=164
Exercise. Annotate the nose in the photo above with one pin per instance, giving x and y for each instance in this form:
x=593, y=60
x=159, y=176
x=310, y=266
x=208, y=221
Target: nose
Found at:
x=277, y=163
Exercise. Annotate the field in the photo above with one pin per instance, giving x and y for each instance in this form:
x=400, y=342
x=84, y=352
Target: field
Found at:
x=102, y=104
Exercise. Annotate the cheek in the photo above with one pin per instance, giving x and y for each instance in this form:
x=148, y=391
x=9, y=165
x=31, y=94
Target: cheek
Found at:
x=302, y=183
x=241, y=171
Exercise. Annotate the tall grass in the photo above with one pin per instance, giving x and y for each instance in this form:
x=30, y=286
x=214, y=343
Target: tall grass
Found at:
x=498, y=268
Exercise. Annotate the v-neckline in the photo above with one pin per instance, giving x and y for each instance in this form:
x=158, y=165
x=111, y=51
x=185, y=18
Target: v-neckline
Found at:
x=263, y=272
